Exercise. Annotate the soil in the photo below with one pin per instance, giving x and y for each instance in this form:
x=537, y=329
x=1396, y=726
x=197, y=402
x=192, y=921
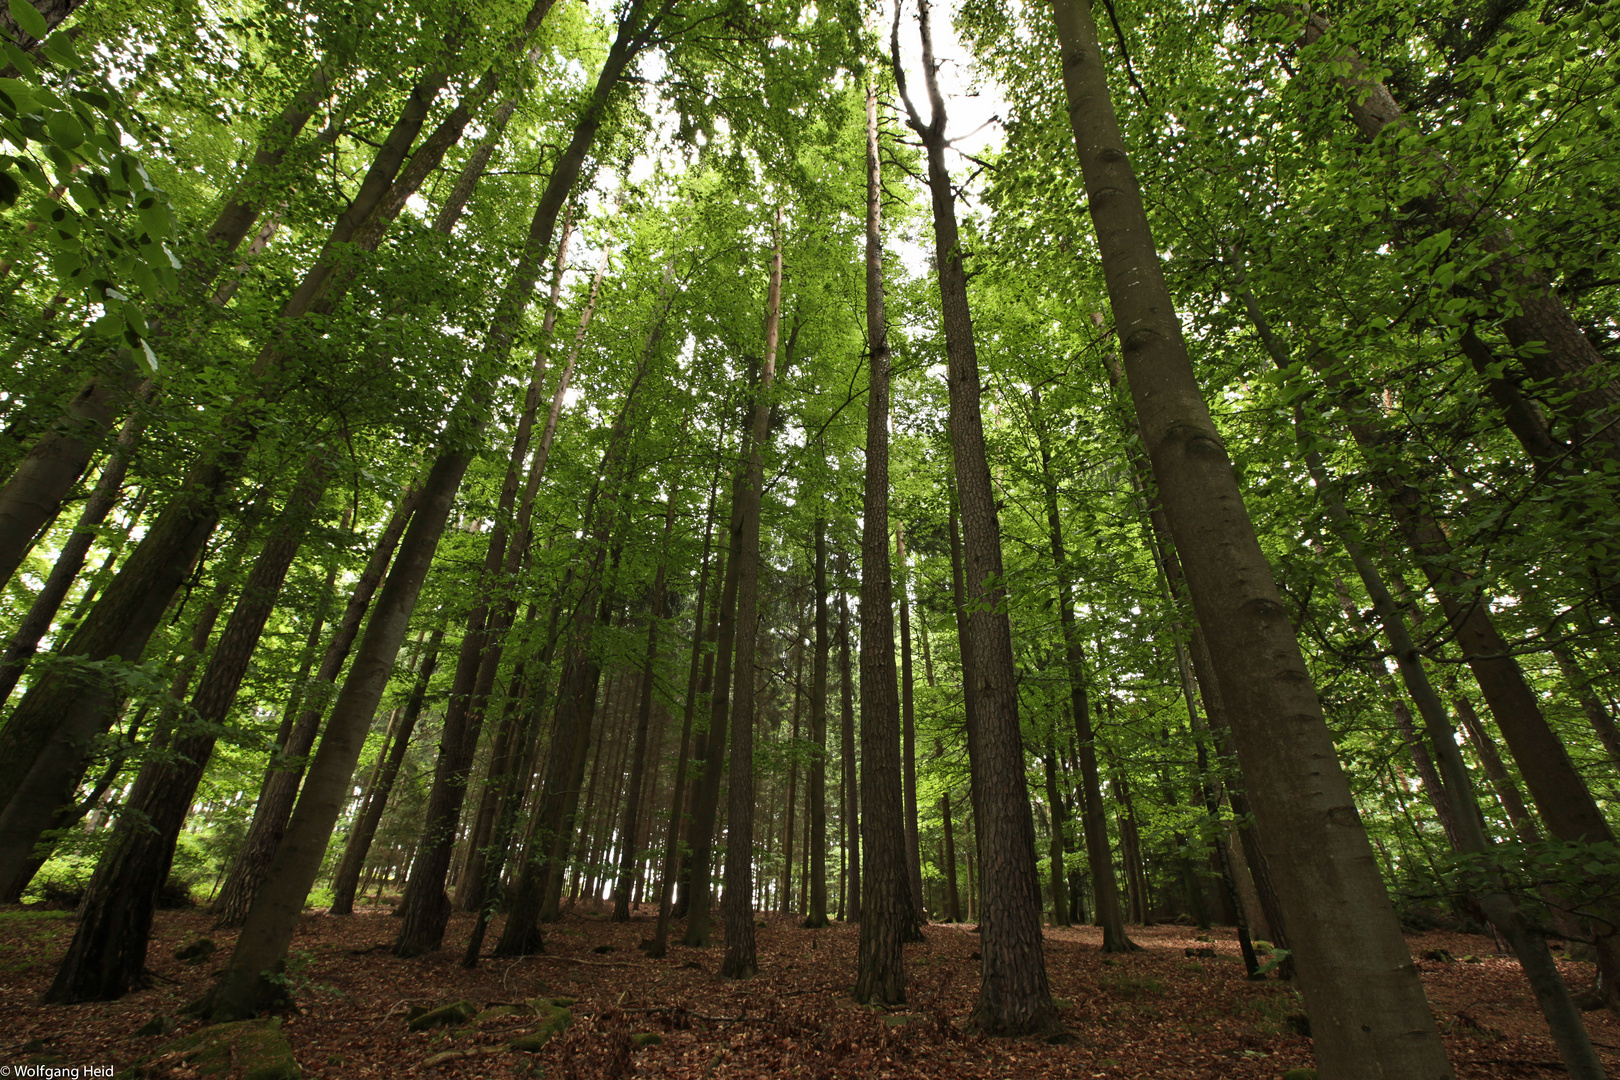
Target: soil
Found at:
x=1165, y=1012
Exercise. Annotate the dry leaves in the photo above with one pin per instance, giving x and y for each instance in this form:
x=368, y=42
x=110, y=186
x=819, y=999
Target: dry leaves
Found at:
x=1159, y=1013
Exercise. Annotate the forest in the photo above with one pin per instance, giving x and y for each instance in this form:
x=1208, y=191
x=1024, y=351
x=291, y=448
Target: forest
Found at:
x=703, y=539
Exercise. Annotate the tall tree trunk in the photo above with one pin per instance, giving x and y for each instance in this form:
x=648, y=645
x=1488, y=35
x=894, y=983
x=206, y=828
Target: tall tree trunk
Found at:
x=741, y=961
x=908, y=742
x=1367, y=1006
x=347, y=876
x=706, y=797
x=953, y=901
x=280, y=788
x=888, y=909
x=677, y=799
x=1058, y=875
x=631, y=829
x=815, y=914
x=850, y=811
x=1014, y=997
x=793, y=764
x=107, y=957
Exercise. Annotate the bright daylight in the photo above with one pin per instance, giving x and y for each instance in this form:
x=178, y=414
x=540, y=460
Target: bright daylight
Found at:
x=720, y=540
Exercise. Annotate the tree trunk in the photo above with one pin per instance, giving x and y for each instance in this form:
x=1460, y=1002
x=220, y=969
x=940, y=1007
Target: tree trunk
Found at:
x=815, y=915
x=1507, y=792
x=1367, y=1006
x=70, y=560
x=706, y=797
x=793, y=764
x=677, y=799
x=908, y=744
x=888, y=909
x=280, y=788
x=628, y=833
x=1094, y=814
x=1054, y=802
x=107, y=957
x=1014, y=997
x=375, y=801
x=741, y=961
x=850, y=811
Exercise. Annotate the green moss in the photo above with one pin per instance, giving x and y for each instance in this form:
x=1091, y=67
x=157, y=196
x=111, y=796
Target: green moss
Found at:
x=1132, y=986
x=256, y=1048
x=554, y=1020
x=646, y=1038
x=457, y=1012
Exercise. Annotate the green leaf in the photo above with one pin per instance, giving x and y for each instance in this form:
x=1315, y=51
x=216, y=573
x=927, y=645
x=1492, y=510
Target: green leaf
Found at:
x=65, y=129
x=27, y=16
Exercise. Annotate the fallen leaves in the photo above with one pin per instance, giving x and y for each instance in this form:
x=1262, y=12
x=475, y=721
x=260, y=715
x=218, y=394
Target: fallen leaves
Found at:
x=1159, y=1013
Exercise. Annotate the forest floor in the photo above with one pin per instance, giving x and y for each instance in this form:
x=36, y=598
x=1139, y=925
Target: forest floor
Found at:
x=1165, y=1012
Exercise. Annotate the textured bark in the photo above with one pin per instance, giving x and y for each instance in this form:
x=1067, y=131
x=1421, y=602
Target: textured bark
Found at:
x=1368, y=1012
x=815, y=913
x=888, y=910
x=107, y=957
x=280, y=789
x=953, y=900
x=741, y=960
x=1014, y=997
x=347, y=876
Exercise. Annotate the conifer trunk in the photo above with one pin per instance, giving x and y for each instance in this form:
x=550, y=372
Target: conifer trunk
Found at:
x=850, y=812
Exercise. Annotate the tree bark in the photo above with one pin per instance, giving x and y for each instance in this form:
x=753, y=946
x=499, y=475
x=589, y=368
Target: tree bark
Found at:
x=850, y=810
x=741, y=960
x=908, y=743
x=280, y=788
x=815, y=915
x=107, y=957
x=1367, y=1006
x=347, y=876
x=1014, y=996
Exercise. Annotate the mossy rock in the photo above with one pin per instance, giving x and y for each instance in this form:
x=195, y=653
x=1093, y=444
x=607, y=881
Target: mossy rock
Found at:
x=197, y=951
x=255, y=1048
x=457, y=1012
x=495, y=1012
x=554, y=1020
x=158, y=1025
x=646, y=1038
